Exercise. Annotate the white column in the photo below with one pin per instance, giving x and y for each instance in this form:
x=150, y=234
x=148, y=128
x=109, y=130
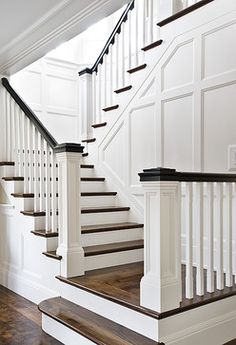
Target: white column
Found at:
x=69, y=210
x=85, y=103
x=161, y=288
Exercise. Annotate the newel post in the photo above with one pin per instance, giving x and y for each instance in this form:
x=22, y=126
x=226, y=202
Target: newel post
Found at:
x=161, y=284
x=69, y=247
x=85, y=102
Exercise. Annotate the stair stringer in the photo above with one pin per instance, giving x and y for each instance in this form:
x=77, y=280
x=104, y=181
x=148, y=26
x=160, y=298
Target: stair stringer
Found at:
x=151, y=92
x=23, y=268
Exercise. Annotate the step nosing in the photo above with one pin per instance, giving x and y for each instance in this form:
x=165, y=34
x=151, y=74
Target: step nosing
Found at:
x=97, y=125
x=113, y=107
x=137, y=68
x=104, y=209
x=152, y=45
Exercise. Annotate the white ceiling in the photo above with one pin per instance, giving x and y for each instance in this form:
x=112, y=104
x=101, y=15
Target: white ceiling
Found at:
x=31, y=28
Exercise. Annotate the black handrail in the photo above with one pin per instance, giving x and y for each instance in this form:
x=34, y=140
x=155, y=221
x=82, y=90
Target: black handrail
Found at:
x=164, y=174
x=110, y=40
x=67, y=147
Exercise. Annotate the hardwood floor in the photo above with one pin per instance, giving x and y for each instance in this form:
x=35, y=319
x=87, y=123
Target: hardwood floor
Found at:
x=20, y=321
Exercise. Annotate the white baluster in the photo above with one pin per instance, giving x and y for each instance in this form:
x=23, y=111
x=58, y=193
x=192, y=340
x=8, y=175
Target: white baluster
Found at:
x=47, y=187
x=26, y=155
x=13, y=131
x=20, y=138
x=42, y=174
x=219, y=237
x=99, y=93
x=111, y=86
x=210, y=238
x=122, y=61
x=8, y=126
x=36, y=169
x=136, y=35
x=105, y=88
x=129, y=40
x=229, y=236
x=31, y=156
x=16, y=140
x=189, y=239
x=144, y=27
x=117, y=44
x=150, y=19
x=94, y=91
x=199, y=239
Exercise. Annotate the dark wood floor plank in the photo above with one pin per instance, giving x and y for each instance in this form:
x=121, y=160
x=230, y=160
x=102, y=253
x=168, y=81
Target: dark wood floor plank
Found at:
x=20, y=321
x=92, y=326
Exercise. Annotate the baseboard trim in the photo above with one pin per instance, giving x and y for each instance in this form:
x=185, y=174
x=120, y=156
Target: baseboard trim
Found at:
x=24, y=287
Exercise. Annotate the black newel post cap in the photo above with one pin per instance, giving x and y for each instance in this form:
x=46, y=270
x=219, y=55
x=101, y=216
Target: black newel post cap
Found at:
x=159, y=174
x=69, y=147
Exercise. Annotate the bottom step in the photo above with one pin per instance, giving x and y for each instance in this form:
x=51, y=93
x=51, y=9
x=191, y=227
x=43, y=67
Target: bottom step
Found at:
x=81, y=323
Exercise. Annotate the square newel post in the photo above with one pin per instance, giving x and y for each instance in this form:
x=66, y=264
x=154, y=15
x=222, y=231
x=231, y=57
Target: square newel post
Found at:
x=160, y=287
x=86, y=102
x=69, y=247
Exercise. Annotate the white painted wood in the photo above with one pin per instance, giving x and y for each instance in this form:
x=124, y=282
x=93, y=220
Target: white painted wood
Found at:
x=86, y=104
x=111, y=237
x=70, y=248
x=219, y=236
x=161, y=284
x=113, y=259
x=98, y=201
x=104, y=218
x=36, y=170
x=210, y=238
x=199, y=223
x=62, y=333
x=189, y=239
x=229, y=237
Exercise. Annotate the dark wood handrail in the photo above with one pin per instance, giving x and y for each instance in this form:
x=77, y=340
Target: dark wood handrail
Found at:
x=110, y=40
x=67, y=147
x=163, y=174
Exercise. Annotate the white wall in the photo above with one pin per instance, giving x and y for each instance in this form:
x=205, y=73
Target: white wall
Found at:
x=183, y=115
x=50, y=87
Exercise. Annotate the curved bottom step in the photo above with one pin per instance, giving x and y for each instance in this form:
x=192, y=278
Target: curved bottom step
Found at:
x=72, y=324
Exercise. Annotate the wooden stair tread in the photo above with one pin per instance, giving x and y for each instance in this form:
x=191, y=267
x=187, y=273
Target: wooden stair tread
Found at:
x=4, y=163
x=23, y=195
x=137, y=68
x=121, y=284
x=184, y=12
x=91, y=179
x=123, y=89
x=53, y=255
x=113, y=107
x=104, y=209
x=92, y=326
x=86, y=229
x=13, y=178
x=86, y=166
x=32, y=213
x=98, y=194
x=112, y=248
x=44, y=233
x=85, y=154
x=98, y=125
x=92, y=140
x=152, y=45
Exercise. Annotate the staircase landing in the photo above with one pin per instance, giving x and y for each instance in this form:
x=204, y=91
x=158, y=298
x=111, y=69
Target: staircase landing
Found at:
x=121, y=284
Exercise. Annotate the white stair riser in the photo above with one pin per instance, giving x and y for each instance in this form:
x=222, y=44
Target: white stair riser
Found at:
x=127, y=317
x=23, y=204
x=94, y=186
x=104, y=218
x=62, y=333
x=112, y=237
x=93, y=201
x=7, y=171
x=33, y=223
x=87, y=172
x=113, y=259
x=13, y=187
